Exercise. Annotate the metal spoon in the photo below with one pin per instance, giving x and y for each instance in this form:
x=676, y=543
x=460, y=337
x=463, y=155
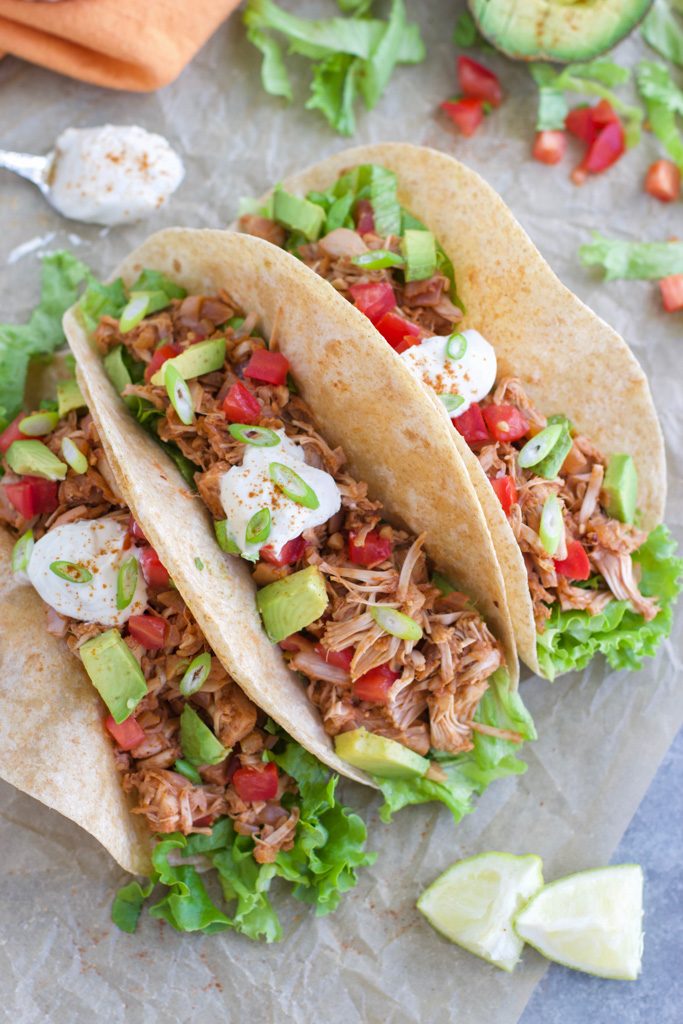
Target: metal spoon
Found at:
x=33, y=168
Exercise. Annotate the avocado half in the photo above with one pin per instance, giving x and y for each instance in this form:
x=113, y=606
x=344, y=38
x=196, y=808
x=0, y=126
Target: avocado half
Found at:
x=557, y=30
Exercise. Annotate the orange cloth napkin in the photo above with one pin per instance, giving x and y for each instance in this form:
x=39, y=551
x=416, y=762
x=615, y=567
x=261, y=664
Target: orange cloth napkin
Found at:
x=122, y=44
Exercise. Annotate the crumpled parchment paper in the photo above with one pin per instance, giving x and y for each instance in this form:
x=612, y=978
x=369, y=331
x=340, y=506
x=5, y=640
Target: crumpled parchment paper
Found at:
x=602, y=735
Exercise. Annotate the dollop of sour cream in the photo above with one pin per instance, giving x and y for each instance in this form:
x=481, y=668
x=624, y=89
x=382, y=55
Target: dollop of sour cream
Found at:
x=99, y=546
x=471, y=377
x=247, y=489
x=113, y=174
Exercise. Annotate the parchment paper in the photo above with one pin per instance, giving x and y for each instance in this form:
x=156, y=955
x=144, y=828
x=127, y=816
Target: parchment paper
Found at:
x=602, y=735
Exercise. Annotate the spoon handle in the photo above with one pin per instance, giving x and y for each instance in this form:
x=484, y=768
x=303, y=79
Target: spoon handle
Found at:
x=34, y=168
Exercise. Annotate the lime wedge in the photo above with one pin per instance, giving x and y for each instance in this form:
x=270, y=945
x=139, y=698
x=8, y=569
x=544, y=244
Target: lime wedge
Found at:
x=591, y=921
x=474, y=901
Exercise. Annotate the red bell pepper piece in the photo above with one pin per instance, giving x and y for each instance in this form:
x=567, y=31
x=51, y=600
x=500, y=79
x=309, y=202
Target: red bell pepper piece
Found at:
x=504, y=486
x=340, y=659
x=399, y=332
x=159, y=357
x=254, y=783
x=374, y=550
x=267, y=367
x=672, y=293
x=466, y=114
x=11, y=433
x=374, y=686
x=155, y=574
x=549, y=147
x=471, y=425
x=478, y=82
x=663, y=181
x=576, y=565
x=365, y=217
x=291, y=552
x=240, y=405
x=505, y=422
x=149, y=630
x=33, y=496
x=374, y=298
x=127, y=734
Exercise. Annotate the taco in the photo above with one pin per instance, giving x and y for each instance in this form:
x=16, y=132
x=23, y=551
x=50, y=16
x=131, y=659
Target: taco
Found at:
x=259, y=384
x=572, y=487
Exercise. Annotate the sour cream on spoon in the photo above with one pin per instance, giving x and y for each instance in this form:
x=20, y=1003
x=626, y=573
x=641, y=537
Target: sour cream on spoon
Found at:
x=462, y=365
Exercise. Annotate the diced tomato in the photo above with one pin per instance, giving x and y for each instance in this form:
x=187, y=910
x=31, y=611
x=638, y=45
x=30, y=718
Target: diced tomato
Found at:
x=149, y=630
x=608, y=145
x=127, y=734
x=33, y=496
x=466, y=114
x=505, y=422
x=135, y=531
x=672, y=293
x=580, y=123
x=504, y=486
x=340, y=659
x=471, y=425
x=374, y=686
x=291, y=552
x=604, y=113
x=254, y=782
x=375, y=298
x=240, y=406
x=268, y=367
x=11, y=433
x=549, y=147
x=478, y=82
x=159, y=357
x=365, y=217
x=576, y=565
x=374, y=550
x=154, y=572
x=399, y=332
x=663, y=181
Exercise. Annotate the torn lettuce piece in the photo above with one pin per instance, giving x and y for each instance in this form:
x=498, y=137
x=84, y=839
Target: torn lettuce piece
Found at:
x=663, y=30
x=633, y=261
x=664, y=103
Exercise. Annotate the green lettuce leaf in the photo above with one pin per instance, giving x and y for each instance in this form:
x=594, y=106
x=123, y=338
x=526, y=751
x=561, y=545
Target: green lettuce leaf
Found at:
x=664, y=102
x=632, y=261
x=572, y=638
x=664, y=31
x=467, y=35
x=333, y=91
x=127, y=905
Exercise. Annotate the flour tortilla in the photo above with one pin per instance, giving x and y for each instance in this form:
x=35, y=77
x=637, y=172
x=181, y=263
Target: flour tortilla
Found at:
x=362, y=398
x=569, y=360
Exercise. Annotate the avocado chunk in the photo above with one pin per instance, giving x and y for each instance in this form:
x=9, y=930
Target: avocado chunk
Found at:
x=69, y=396
x=204, y=357
x=114, y=672
x=298, y=214
x=379, y=755
x=33, y=458
x=620, y=488
x=292, y=603
x=199, y=744
x=556, y=30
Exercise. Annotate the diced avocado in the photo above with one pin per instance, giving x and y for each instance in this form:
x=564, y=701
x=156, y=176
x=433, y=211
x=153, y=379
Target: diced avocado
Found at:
x=114, y=672
x=199, y=744
x=292, y=603
x=204, y=357
x=69, y=396
x=33, y=458
x=298, y=214
x=620, y=488
x=551, y=465
x=419, y=252
x=116, y=369
x=379, y=755
x=556, y=30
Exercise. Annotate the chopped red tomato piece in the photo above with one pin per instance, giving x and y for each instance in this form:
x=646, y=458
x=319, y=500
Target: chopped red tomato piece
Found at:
x=149, y=630
x=127, y=734
x=607, y=147
x=240, y=406
x=374, y=686
x=471, y=425
x=256, y=783
x=154, y=572
x=478, y=82
x=372, y=551
x=11, y=433
x=580, y=123
x=340, y=659
x=604, y=113
x=268, y=367
x=504, y=486
x=663, y=181
x=135, y=531
x=576, y=565
x=549, y=147
x=505, y=422
x=375, y=298
x=291, y=552
x=159, y=357
x=365, y=217
x=399, y=332
x=466, y=114
x=33, y=496
x=672, y=293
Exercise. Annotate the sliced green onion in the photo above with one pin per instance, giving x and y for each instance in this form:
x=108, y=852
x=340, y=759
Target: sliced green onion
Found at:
x=396, y=623
x=179, y=394
x=135, y=311
x=452, y=402
x=456, y=346
x=258, y=527
x=260, y=437
x=378, y=259
x=39, y=424
x=74, y=456
x=552, y=524
x=539, y=446
x=188, y=770
x=196, y=675
x=292, y=485
x=72, y=572
x=22, y=551
x=126, y=583
x=225, y=541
